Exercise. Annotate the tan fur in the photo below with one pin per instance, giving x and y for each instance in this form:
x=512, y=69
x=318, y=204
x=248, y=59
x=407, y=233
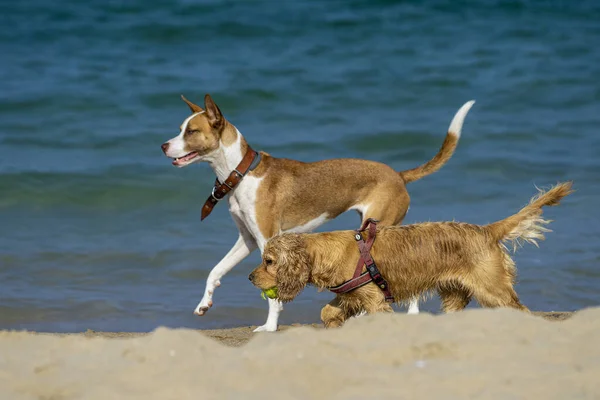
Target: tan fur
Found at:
x=458, y=260
x=435, y=163
x=293, y=193
x=194, y=108
x=207, y=131
x=528, y=225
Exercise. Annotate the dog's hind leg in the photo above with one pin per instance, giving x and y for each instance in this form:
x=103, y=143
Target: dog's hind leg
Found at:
x=499, y=296
x=454, y=297
x=244, y=246
x=492, y=285
x=505, y=297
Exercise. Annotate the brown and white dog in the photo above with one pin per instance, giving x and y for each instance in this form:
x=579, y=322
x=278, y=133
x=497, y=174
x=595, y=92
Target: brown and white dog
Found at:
x=458, y=260
x=282, y=195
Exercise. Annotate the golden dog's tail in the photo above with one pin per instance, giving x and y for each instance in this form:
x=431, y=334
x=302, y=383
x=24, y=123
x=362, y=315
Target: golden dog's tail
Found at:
x=528, y=225
x=445, y=152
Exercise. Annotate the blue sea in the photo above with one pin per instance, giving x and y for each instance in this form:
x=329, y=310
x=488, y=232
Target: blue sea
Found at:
x=99, y=231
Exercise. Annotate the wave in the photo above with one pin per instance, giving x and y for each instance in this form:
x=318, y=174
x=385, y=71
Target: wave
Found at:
x=112, y=189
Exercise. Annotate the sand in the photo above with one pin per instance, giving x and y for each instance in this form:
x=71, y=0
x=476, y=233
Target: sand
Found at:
x=473, y=354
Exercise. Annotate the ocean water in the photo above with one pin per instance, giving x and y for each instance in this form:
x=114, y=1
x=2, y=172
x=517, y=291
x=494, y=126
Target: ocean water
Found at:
x=98, y=230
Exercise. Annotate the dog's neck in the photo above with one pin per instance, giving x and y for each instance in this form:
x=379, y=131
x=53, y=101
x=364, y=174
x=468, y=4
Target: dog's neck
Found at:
x=231, y=151
x=321, y=276
x=326, y=271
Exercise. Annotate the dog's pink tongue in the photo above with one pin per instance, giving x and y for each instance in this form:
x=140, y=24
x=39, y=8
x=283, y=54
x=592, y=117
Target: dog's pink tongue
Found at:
x=187, y=157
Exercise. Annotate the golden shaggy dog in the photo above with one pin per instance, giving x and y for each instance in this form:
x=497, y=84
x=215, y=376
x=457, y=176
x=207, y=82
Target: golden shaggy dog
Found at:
x=458, y=260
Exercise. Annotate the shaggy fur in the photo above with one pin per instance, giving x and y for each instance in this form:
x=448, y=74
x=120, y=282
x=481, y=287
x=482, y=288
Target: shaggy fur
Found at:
x=459, y=261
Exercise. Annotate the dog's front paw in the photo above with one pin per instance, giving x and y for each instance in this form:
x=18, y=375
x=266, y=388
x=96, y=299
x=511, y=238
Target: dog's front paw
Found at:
x=266, y=328
x=203, y=307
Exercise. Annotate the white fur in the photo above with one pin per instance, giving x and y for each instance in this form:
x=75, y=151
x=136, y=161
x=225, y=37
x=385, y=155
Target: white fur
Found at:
x=240, y=250
x=360, y=314
x=310, y=225
x=413, y=307
x=226, y=158
x=361, y=209
x=459, y=118
x=177, y=144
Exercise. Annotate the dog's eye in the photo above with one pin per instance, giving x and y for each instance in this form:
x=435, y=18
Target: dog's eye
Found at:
x=268, y=261
x=191, y=131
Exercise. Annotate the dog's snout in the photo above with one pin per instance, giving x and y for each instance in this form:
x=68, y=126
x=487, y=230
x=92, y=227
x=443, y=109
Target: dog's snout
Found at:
x=164, y=147
x=251, y=276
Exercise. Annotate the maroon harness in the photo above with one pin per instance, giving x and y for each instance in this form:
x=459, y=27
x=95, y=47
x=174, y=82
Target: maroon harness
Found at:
x=372, y=273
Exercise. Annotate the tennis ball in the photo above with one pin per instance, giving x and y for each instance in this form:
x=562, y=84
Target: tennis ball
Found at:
x=270, y=293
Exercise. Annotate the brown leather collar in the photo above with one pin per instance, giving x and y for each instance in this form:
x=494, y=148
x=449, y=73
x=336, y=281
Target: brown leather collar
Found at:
x=220, y=190
x=372, y=273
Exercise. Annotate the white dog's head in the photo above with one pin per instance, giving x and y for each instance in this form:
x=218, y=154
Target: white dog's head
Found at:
x=199, y=135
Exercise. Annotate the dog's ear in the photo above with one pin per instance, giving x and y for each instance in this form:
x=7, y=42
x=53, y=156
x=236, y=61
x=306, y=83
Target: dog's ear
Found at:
x=215, y=118
x=195, y=108
x=293, y=269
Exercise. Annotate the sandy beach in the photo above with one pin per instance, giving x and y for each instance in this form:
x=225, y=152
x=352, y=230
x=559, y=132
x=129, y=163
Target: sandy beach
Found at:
x=473, y=354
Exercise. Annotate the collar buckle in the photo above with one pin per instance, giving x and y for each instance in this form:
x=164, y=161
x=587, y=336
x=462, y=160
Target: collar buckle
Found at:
x=212, y=194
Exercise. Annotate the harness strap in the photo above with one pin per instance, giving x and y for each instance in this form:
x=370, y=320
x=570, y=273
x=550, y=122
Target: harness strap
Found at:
x=372, y=274
x=365, y=247
x=353, y=283
x=220, y=190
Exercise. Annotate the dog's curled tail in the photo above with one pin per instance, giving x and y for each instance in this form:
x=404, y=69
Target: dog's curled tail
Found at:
x=528, y=225
x=445, y=152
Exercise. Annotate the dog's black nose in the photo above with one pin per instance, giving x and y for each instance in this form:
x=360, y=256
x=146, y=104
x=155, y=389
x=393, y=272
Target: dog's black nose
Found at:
x=165, y=147
x=251, y=276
